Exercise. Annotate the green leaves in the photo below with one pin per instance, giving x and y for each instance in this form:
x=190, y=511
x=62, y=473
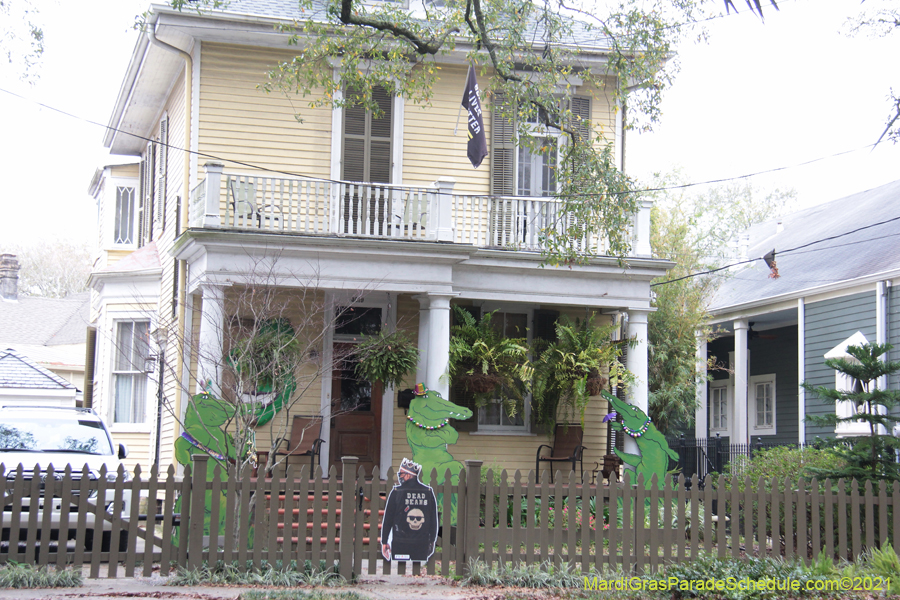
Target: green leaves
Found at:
x=386, y=357
x=481, y=356
x=563, y=370
x=865, y=457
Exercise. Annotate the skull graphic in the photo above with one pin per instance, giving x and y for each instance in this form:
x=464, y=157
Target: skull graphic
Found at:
x=415, y=518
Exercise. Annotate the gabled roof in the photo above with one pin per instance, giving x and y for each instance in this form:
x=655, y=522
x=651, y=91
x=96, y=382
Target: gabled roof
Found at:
x=44, y=321
x=17, y=371
x=144, y=259
x=836, y=243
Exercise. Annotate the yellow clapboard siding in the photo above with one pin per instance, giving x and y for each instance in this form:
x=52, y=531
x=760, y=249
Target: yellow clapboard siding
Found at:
x=239, y=122
x=138, y=450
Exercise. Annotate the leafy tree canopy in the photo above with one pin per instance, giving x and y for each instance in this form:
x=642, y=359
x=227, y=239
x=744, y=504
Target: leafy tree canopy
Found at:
x=694, y=230
x=21, y=37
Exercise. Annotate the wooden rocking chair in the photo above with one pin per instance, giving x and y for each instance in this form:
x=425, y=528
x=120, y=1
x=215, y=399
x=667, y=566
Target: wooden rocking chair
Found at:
x=305, y=440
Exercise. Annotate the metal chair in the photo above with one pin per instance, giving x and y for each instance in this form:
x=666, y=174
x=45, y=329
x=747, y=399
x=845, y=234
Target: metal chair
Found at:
x=566, y=448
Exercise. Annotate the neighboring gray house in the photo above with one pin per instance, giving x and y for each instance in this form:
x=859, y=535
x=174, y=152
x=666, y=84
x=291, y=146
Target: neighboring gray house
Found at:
x=839, y=263
x=24, y=382
x=49, y=331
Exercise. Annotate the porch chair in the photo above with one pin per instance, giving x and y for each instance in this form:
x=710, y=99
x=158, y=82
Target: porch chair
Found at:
x=306, y=440
x=566, y=448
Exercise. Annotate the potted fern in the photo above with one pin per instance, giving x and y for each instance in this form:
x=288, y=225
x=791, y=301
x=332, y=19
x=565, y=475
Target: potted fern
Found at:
x=487, y=363
x=387, y=357
x=573, y=368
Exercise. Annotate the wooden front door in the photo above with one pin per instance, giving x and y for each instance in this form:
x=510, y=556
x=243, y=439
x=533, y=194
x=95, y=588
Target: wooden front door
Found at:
x=355, y=414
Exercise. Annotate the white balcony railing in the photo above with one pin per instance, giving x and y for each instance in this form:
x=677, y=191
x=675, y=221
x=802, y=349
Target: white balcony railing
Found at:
x=375, y=210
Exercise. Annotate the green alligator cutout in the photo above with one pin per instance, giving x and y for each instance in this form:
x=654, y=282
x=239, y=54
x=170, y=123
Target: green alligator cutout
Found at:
x=428, y=432
x=204, y=433
x=273, y=334
x=654, y=450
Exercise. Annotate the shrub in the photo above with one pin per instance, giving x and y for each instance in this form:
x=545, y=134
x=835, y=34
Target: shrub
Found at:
x=15, y=575
x=778, y=464
x=708, y=568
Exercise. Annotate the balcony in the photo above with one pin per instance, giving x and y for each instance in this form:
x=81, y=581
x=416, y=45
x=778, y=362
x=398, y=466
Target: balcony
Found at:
x=241, y=202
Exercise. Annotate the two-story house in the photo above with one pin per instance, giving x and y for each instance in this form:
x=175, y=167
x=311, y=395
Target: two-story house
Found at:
x=385, y=215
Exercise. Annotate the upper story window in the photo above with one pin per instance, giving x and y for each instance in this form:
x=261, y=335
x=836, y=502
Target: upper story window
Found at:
x=123, y=228
x=524, y=171
x=366, y=152
x=131, y=356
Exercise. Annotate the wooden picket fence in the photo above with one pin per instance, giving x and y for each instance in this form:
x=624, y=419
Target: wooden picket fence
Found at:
x=507, y=518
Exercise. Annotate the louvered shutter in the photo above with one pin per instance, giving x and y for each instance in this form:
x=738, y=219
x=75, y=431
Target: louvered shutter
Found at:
x=581, y=115
x=503, y=174
x=543, y=333
x=458, y=393
x=161, y=171
x=367, y=157
x=503, y=151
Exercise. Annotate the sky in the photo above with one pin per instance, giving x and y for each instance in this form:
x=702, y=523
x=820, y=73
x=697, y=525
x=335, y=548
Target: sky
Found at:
x=755, y=97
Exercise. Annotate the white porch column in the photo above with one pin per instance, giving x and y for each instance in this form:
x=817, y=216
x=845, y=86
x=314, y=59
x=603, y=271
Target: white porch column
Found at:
x=701, y=426
x=637, y=364
x=424, y=330
x=211, y=346
x=741, y=379
x=801, y=370
x=435, y=319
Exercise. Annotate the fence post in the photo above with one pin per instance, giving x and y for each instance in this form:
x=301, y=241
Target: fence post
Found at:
x=348, y=497
x=473, y=500
x=718, y=452
x=199, y=463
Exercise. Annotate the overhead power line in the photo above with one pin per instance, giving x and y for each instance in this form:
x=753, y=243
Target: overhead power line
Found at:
x=328, y=180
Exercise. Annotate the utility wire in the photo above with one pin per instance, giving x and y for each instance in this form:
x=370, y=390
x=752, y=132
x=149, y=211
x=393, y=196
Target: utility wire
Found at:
x=337, y=181
x=789, y=250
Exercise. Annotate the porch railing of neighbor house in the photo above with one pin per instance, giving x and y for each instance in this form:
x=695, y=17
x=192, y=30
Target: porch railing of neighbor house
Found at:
x=375, y=210
x=515, y=517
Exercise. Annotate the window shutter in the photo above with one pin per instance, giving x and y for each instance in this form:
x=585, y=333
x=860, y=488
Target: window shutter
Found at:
x=545, y=325
x=544, y=329
x=161, y=171
x=503, y=151
x=367, y=157
x=581, y=115
x=458, y=393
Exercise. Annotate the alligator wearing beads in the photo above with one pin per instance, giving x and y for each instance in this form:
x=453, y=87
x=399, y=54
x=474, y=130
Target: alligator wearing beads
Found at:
x=655, y=451
x=428, y=432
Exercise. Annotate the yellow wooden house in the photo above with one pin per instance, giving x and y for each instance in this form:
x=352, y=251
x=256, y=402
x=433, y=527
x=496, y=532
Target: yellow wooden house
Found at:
x=385, y=216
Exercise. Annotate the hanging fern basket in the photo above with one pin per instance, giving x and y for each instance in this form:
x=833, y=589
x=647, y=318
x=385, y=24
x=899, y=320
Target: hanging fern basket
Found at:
x=480, y=383
x=595, y=384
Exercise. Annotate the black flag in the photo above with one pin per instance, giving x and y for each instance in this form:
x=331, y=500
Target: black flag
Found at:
x=477, y=148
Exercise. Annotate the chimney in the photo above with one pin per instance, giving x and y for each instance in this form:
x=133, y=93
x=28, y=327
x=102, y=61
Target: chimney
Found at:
x=779, y=227
x=9, y=277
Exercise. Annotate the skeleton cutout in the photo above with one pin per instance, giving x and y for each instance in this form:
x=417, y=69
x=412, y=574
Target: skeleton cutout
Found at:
x=415, y=518
x=410, y=524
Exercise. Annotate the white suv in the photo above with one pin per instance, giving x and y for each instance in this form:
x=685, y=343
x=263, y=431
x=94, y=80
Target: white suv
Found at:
x=46, y=435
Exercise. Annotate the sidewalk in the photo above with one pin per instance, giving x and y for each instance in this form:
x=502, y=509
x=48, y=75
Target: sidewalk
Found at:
x=399, y=587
